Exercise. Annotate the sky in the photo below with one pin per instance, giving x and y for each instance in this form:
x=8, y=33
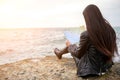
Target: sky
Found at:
x=53, y=13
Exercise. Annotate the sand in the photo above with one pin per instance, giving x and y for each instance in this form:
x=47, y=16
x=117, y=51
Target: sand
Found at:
x=49, y=68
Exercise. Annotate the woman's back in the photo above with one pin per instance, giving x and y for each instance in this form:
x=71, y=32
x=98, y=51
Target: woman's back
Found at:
x=101, y=33
x=93, y=62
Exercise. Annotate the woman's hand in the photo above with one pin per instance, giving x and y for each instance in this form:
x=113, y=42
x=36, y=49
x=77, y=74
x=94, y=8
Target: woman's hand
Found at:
x=68, y=43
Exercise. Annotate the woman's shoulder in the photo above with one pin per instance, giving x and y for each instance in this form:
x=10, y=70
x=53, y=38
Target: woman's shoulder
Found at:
x=84, y=33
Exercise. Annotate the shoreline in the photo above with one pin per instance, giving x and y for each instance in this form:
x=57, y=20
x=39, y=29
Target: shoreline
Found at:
x=11, y=56
x=16, y=57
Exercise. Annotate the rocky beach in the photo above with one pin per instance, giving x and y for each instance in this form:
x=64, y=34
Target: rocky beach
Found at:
x=49, y=68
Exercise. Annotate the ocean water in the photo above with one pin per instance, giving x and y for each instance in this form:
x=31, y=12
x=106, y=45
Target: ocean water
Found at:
x=117, y=30
x=19, y=44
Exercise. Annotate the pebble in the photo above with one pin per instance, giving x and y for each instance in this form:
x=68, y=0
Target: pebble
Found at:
x=118, y=71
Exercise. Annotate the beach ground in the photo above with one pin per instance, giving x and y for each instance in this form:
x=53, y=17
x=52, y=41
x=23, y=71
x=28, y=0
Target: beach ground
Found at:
x=49, y=68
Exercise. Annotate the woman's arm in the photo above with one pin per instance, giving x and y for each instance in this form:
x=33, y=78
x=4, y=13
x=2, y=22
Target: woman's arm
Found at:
x=79, y=51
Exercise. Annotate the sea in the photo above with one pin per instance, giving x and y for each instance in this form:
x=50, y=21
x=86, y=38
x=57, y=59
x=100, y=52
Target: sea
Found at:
x=23, y=43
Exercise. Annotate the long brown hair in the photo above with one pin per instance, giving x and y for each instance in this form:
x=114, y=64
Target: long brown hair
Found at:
x=100, y=31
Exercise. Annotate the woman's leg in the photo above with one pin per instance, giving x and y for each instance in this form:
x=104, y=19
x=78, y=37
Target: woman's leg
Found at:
x=76, y=60
x=59, y=53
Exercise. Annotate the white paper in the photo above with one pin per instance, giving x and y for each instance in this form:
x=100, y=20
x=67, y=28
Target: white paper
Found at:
x=72, y=37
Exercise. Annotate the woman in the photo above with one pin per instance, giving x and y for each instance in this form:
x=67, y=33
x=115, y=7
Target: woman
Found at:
x=97, y=45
